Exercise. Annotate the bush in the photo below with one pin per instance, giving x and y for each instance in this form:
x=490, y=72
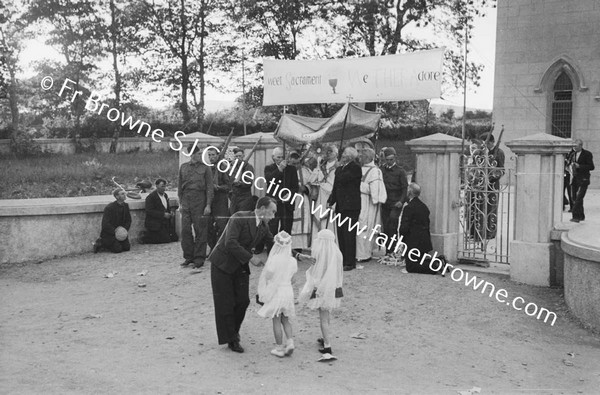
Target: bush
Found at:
x=23, y=145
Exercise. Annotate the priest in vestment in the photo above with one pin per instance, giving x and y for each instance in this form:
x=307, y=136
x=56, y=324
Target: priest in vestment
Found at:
x=325, y=175
x=373, y=195
x=302, y=226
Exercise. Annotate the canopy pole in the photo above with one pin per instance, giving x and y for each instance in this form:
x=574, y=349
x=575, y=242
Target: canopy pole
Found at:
x=341, y=150
x=284, y=112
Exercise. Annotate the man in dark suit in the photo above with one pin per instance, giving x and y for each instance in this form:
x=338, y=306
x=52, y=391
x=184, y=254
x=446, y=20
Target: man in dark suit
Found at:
x=282, y=178
x=345, y=195
x=158, y=215
x=414, y=230
x=230, y=272
x=583, y=163
x=116, y=214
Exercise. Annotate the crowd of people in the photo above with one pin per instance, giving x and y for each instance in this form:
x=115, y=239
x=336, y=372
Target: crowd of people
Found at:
x=223, y=223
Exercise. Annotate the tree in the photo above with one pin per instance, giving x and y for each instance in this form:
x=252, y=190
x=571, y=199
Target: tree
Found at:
x=374, y=27
x=185, y=27
x=77, y=34
x=121, y=36
x=12, y=34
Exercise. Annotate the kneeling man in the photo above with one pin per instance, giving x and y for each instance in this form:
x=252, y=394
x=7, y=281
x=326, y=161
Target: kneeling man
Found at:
x=116, y=221
x=158, y=215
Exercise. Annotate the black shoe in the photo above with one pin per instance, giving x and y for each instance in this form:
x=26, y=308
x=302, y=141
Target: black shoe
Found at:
x=235, y=346
x=186, y=263
x=575, y=220
x=348, y=268
x=198, y=265
x=325, y=350
x=363, y=260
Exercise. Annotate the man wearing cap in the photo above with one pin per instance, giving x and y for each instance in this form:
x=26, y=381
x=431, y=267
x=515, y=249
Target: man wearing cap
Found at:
x=396, y=185
x=241, y=191
x=116, y=214
x=195, y=191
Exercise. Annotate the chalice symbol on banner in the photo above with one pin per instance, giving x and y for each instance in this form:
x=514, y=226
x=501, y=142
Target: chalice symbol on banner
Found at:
x=333, y=83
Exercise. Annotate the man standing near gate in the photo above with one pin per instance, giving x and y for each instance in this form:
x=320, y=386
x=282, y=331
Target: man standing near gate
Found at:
x=583, y=163
x=195, y=191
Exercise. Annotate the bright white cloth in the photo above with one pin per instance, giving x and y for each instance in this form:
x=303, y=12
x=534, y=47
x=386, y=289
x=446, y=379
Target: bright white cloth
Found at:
x=372, y=196
x=301, y=228
x=275, y=281
x=325, y=276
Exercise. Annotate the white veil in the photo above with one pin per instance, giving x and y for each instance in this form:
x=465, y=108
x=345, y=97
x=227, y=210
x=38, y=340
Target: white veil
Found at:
x=276, y=268
x=326, y=274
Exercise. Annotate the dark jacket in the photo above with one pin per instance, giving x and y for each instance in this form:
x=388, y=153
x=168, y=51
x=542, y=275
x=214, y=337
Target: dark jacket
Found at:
x=414, y=227
x=155, y=212
x=288, y=178
x=240, y=187
x=113, y=217
x=346, y=188
x=586, y=164
x=396, y=183
x=234, y=248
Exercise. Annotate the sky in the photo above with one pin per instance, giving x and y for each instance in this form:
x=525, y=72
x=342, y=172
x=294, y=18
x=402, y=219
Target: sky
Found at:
x=481, y=50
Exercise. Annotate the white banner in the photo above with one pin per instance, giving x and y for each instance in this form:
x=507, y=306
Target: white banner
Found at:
x=411, y=76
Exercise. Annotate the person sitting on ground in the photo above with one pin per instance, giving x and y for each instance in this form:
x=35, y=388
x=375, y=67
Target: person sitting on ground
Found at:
x=158, y=215
x=116, y=221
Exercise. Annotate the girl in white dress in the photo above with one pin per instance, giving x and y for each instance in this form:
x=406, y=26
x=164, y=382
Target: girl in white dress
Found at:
x=323, y=288
x=276, y=292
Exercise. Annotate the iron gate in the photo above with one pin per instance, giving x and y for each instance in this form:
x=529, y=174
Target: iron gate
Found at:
x=486, y=201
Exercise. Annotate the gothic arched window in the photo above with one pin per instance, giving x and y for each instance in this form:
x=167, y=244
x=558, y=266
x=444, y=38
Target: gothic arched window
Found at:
x=562, y=106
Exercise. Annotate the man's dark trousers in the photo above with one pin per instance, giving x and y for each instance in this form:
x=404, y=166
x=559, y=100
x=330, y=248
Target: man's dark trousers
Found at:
x=347, y=238
x=579, y=189
x=230, y=293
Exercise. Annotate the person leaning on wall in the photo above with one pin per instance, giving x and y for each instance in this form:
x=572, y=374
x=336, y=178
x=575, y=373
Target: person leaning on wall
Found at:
x=583, y=163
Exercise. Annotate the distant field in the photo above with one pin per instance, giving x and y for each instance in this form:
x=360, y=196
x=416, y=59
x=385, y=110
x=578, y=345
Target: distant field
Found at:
x=83, y=174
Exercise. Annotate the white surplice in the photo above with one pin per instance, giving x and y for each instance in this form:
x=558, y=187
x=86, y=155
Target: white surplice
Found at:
x=372, y=196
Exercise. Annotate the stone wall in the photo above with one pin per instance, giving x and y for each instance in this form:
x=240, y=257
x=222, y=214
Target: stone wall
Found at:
x=535, y=40
x=41, y=229
x=66, y=146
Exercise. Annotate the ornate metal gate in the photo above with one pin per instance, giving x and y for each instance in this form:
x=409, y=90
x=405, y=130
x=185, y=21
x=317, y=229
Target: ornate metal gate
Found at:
x=485, y=207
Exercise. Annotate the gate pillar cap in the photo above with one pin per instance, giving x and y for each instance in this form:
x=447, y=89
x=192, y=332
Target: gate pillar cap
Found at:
x=436, y=143
x=540, y=143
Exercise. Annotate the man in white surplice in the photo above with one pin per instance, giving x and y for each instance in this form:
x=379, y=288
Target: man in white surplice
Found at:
x=373, y=194
x=325, y=175
x=302, y=226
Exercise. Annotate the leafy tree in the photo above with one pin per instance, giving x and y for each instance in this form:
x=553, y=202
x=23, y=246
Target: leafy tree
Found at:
x=187, y=30
x=375, y=27
x=12, y=34
x=76, y=32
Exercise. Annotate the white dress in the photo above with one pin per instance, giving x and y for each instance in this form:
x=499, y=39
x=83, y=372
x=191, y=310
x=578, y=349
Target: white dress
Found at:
x=275, y=287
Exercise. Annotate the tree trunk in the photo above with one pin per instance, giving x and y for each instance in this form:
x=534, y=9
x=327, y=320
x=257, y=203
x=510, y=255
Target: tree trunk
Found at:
x=13, y=102
x=117, y=87
x=185, y=75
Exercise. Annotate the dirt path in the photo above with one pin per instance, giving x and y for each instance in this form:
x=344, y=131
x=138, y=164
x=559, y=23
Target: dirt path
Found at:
x=65, y=328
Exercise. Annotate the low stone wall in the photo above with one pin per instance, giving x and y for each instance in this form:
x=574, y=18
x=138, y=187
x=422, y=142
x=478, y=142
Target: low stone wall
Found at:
x=66, y=146
x=581, y=247
x=41, y=229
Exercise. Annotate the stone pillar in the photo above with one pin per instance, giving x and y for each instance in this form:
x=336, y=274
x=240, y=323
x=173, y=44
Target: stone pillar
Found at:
x=438, y=175
x=538, y=205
